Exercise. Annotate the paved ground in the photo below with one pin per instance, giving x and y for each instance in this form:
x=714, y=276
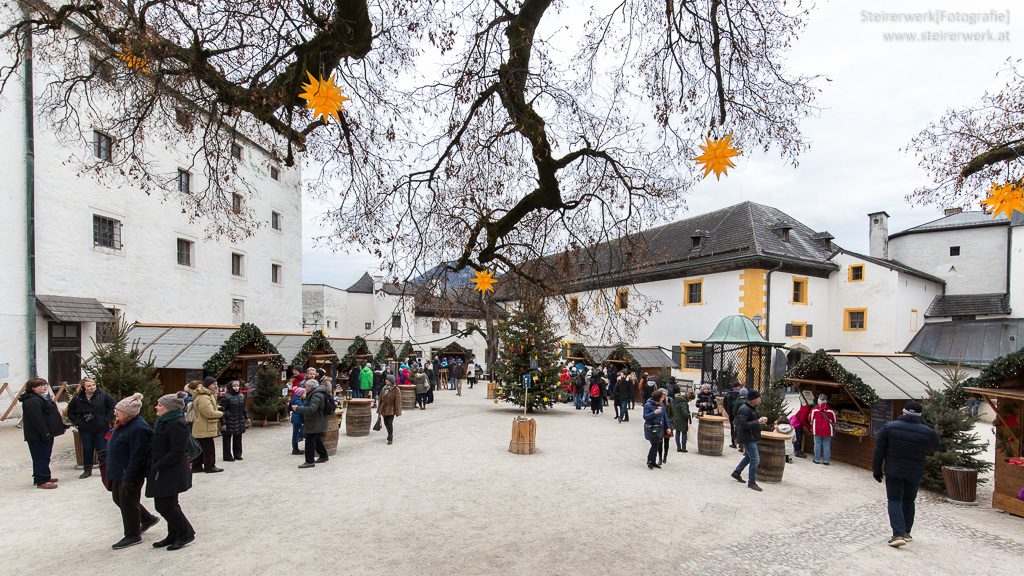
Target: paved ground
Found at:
x=447, y=498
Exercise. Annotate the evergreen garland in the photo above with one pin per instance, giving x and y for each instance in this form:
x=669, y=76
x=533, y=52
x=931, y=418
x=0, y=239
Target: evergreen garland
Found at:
x=317, y=341
x=1008, y=367
x=385, y=352
x=349, y=359
x=620, y=353
x=406, y=351
x=820, y=363
x=577, y=350
x=245, y=335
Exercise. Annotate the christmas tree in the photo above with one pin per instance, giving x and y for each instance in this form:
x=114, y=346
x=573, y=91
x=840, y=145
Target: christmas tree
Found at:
x=946, y=411
x=267, y=401
x=119, y=368
x=773, y=403
x=528, y=346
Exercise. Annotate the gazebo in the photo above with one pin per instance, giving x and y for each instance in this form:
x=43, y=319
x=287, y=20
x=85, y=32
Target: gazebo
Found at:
x=736, y=351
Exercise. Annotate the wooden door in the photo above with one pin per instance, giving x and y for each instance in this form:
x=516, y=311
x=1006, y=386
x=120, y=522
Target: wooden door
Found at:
x=65, y=353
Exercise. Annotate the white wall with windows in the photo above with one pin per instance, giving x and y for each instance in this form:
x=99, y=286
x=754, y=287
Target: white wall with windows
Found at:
x=970, y=260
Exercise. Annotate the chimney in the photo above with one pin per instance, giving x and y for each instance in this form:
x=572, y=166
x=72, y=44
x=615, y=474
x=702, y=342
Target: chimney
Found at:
x=378, y=283
x=952, y=211
x=878, y=234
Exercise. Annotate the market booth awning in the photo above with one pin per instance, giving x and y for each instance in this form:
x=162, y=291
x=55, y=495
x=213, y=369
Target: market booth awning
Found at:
x=866, y=390
x=646, y=357
x=71, y=309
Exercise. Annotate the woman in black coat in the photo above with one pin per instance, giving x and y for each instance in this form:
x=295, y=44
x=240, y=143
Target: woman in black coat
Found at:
x=41, y=423
x=169, y=473
x=92, y=412
x=127, y=460
x=232, y=423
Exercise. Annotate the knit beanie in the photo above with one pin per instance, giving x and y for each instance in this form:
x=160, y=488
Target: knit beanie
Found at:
x=209, y=380
x=744, y=393
x=130, y=405
x=913, y=408
x=172, y=401
x=753, y=395
x=822, y=399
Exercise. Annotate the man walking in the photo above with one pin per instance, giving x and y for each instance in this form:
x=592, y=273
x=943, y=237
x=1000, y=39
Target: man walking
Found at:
x=748, y=432
x=899, y=457
x=314, y=422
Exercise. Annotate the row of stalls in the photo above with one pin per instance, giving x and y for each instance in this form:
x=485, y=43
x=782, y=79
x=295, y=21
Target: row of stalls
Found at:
x=639, y=359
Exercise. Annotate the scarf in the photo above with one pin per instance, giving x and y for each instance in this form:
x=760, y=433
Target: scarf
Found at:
x=167, y=417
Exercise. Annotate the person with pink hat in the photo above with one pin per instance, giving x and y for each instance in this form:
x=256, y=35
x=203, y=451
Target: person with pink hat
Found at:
x=127, y=463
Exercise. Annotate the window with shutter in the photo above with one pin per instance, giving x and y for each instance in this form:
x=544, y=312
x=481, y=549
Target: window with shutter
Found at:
x=789, y=329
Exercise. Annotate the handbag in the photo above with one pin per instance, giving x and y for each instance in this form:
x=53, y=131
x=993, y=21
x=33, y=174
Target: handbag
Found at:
x=101, y=457
x=193, y=450
x=657, y=429
x=377, y=425
x=668, y=433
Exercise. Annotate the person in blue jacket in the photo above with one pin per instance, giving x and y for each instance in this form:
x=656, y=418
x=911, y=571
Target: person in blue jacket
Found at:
x=127, y=464
x=655, y=424
x=298, y=399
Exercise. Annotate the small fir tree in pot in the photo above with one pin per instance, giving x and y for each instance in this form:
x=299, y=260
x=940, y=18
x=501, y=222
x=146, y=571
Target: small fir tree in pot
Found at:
x=959, y=446
x=267, y=401
x=773, y=403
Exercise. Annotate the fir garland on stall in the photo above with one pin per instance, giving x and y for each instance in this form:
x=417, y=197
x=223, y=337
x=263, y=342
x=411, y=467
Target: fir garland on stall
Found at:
x=245, y=335
x=577, y=350
x=317, y=341
x=406, y=351
x=819, y=363
x=349, y=359
x=385, y=352
x=1008, y=367
x=620, y=353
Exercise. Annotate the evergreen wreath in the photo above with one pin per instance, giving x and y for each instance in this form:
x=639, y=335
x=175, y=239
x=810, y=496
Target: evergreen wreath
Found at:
x=349, y=359
x=577, y=350
x=245, y=335
x=317, y=341
x=821, y=363
x=386, y=351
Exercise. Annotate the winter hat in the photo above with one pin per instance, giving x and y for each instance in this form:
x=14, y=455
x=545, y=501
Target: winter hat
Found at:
x=208, y=381
x=130, y=405
x=822, y=398
x=744, y=393
x=912, y=408
x=172, y=401
x=784, y=428
x=300, y=392
x=753, y=395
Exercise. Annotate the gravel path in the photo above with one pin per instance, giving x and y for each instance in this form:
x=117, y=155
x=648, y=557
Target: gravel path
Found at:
x=447, y=498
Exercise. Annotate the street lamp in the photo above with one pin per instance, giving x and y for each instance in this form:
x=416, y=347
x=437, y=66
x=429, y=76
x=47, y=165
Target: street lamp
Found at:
x=315, y=322
x=757, y=320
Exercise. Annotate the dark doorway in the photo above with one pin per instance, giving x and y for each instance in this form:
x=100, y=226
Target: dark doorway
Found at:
x=65, y=353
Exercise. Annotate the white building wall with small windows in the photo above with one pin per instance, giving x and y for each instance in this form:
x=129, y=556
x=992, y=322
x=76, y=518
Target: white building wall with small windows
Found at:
x=105, y=239
x=971, y=260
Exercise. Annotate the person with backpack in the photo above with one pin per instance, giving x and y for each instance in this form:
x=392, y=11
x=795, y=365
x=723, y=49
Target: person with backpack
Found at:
x=823, y=423
x=623, y=397
x=655, y=425
x=319, y=403
x=596, y=393
x=390, y=405
x=206, y=425
x=731, y=399
x=353, y=380
x=580, y=388
x=365, y=381
x=92, y=412
x=169, y=475
x=234, y=421
x=748, y=432
x=127, y=462
x=298, y=399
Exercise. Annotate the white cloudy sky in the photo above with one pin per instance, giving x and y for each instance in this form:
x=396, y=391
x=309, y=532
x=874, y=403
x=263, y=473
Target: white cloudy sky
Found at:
x=880, y=95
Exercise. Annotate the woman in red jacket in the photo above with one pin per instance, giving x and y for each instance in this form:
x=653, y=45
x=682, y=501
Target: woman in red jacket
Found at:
x=801, y=422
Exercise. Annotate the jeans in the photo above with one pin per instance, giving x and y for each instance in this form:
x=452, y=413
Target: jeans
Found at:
x=653, y=452
x=296, y=434
x=975, y=405
x=355, y=393
x=451, y=382
x=798, y=441
x=389, y=423
x=91, y=442
x=178, y=527
x=751, y=457
x=823, y=449
x=577, y=400
x=315, y=443
x=128, y=495
x=624, y=410
x=681, y=439
x=232, y=444
x=901, y=493
x=40, y=450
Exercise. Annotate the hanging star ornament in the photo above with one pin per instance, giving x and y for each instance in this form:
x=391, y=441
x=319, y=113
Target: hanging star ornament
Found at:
x=716, y=156
x=323, y=97
x=137, y=63
x=1005, y=199
x=484, y=280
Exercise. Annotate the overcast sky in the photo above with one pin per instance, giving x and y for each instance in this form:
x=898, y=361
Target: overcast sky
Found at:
x=881, y=94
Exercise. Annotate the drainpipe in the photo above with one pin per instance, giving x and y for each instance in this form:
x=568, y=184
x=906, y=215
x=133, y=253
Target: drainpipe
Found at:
x=768, y=301
x=30, y=205
x=1009, y=254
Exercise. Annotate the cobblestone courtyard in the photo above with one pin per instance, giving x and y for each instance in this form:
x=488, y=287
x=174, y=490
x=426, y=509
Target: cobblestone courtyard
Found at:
x=447, y=498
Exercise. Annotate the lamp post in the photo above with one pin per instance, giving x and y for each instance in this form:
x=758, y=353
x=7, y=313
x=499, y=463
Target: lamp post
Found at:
x=757, y=321
x=314, y=323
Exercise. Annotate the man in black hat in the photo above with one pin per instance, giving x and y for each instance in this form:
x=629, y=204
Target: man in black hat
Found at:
x=900, y=452
x=748, y=431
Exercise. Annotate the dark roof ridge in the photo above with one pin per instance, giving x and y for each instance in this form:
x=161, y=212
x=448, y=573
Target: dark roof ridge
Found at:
x=892, y=265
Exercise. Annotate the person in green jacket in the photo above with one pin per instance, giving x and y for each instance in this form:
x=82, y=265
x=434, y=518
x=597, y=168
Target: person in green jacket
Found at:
x=679, y=415
x=366, y=380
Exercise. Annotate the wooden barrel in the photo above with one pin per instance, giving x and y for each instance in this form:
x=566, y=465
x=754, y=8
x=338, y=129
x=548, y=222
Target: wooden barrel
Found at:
x=710, y=435
x=357, y=421
x=331, y=435
x=492, y=390
x=961, y=483
x=408, y=396
x=772, y=449
x=524, y=436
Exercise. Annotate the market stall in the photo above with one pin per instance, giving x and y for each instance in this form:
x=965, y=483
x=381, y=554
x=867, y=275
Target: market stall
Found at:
x=866, y=391
x=1001, y=385
x=315, y=352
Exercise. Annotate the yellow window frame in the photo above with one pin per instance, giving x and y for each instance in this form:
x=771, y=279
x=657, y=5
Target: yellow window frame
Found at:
x=803, y=330
x=686, y=292
x=849, y=273
x=682, y=357
x=618, y=302
x=846, y=319
x=803, y=282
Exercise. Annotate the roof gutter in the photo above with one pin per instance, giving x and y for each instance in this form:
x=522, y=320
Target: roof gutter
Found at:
x=30, y=204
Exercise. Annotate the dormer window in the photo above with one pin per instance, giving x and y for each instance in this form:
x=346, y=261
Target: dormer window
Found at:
x=696, y=242
x=825, y=240
x=698, y=239
x=782, y=230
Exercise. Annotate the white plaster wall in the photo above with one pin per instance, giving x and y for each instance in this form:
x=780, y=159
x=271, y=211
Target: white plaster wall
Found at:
x=815, y=312
x=979, y=269
x=912, y=293
x=877, y=293
x=1017, y=272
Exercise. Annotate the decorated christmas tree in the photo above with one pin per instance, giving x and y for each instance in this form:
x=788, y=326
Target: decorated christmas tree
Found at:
x=959, y=445
x=528, y=346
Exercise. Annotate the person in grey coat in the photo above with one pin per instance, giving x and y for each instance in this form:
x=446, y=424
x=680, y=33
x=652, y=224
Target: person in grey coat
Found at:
x=314, y=422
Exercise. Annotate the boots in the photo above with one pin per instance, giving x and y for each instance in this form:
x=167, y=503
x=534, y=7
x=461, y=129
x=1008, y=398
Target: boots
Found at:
x=86, y=472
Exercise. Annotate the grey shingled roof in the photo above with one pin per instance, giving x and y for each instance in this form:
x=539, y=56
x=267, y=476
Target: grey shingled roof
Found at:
x=976, y=342
x=362, y=286
x=896, y=265
x=969, y=305
x=969, y=219
x=71, y=309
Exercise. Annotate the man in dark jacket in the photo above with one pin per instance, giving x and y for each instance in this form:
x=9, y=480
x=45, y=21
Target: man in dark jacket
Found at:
x=353, y=381
x=623, y=396
x=748, y=431
x=41, y=423
x=900, y=451
x=730, y=408
x=314, y=422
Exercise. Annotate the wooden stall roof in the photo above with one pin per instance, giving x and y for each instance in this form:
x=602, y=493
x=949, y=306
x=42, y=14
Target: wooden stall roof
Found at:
x=647, y=357
x=892, y=376
x=1006, y=393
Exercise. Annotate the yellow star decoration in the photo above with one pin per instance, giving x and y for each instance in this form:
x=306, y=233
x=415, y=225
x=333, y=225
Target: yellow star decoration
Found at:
x=716, y=156
x=137, y=63
x=1005, y=199
x=323, y=97
x=484, y=281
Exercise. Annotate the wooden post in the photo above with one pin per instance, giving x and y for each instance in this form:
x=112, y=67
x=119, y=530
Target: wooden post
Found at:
x=14, y=401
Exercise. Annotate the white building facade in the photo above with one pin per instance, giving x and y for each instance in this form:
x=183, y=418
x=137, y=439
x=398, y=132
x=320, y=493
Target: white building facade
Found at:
x=103, y=249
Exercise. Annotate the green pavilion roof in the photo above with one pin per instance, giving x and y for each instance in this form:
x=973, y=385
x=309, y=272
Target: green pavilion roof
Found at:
x=737, y=329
